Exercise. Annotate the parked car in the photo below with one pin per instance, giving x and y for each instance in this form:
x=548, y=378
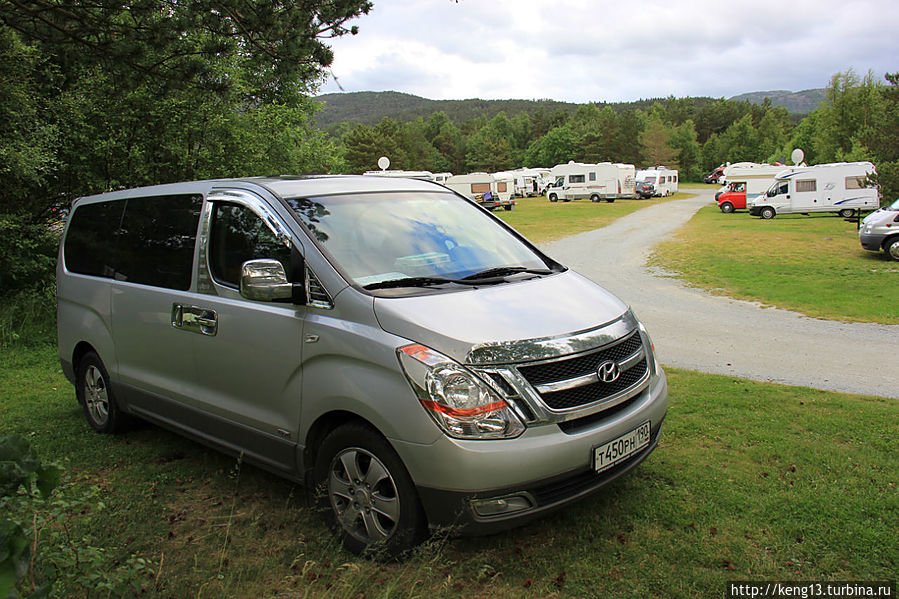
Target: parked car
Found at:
x=407, y=355
x=880, y=231
x=644, y=189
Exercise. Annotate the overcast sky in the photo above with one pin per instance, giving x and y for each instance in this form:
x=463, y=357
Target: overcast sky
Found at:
x=600, y=50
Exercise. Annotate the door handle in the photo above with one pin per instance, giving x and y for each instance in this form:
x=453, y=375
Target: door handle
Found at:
x=195, y=319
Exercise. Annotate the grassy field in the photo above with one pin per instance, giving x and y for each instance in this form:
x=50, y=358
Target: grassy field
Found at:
x=811, y=264
x=540, y=220
x=751, y=481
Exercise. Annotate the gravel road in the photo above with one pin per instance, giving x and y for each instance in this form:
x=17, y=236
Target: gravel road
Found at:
x=694, y=330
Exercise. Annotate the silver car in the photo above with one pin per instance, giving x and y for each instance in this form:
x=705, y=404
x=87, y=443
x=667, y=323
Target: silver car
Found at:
x=386, y=342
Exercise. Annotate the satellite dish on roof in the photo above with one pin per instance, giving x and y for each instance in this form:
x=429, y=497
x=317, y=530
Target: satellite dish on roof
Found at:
x=797, y=156
x=383, y=163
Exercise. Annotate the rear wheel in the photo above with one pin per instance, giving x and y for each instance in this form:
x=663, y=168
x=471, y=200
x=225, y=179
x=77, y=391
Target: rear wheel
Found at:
x=508, y=206
x=366, y=494
x=891, y=249
x=97, y=398
x=767, y=213
x=727, y=207
x=610, y=200
x=847, y=212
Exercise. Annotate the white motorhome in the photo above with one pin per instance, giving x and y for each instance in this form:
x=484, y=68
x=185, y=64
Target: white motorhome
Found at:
x=441, y=177
x=482, y=188
x=838, y=187
x=746, y=180
x=528, y=182
x=663, y=179
x=627, y=177
x=577, y=180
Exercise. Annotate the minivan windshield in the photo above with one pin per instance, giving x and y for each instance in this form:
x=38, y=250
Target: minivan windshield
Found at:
x=419, y=237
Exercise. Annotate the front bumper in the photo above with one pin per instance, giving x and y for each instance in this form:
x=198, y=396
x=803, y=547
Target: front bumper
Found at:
x=873, y=242
x=452, y=510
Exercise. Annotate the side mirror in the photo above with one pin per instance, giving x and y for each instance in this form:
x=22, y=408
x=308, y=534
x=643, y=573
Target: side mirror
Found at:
x=264, y=280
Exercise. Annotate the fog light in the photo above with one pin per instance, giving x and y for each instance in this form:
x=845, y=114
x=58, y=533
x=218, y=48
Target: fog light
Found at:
x=499, y=506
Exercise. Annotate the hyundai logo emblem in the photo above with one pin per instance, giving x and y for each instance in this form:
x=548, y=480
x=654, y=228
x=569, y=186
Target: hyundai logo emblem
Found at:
x=609, y=371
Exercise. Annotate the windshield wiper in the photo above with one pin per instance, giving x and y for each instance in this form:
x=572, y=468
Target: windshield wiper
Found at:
x=409, y=282
x=502, y=271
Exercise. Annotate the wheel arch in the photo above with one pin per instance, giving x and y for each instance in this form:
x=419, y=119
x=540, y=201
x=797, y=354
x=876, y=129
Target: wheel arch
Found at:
x=322, y=427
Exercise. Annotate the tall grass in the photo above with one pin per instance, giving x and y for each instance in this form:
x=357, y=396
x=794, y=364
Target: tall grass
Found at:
x=28, y=317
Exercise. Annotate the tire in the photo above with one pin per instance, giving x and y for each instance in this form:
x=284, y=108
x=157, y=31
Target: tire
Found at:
x=553, y=197
x=97, y=398
x=847, y=212
x=610, y=200
x=367, y=495
x=508, y=207
x=891, y=249
x=767, y=213
x=594, y=198
x=727, y=208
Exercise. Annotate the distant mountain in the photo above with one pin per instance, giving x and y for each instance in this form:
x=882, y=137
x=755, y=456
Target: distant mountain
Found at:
x=795, y=102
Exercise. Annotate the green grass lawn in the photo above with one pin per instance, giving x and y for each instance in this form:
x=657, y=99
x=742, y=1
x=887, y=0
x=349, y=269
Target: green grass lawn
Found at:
x=751, y=481
x=811, y=264
x=540, y=220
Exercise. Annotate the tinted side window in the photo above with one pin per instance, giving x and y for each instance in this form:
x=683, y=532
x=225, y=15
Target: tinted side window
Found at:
x=576, y=178
x=90, y=242
x=238, y=235
x=156, y=240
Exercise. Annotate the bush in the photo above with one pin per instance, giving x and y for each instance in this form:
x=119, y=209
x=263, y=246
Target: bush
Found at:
x=27, y=253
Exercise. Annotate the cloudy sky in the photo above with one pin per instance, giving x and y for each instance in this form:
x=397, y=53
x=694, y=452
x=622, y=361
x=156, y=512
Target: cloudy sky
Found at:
x=603, y=50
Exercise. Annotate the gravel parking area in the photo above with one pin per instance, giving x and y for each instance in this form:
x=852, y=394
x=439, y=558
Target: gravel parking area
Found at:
x=694, y=330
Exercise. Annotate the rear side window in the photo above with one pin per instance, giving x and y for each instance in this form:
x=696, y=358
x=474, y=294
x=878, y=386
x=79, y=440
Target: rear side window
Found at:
x=593, y=176
x=576, y=178
x=90, y=242
x=806, y=185
x=149, y=241
x=855, y=182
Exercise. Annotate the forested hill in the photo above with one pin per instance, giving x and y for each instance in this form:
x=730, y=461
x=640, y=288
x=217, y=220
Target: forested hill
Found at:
x=371, y=107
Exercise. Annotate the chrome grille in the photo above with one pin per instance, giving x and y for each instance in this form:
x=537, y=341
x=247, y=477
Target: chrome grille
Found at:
x=571, y=382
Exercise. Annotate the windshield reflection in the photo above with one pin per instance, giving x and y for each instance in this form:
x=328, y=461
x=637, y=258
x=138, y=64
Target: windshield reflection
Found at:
x=383, y=237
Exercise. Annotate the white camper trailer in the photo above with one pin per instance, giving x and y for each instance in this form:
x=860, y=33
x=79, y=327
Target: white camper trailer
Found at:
x=627, y=177
x=441, y=177
x=663, y=179
x=482, y=188
x=837, y=187
x=577, y=180
x=504, y=186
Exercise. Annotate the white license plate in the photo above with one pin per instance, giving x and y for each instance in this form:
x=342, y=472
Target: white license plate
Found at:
x=607, y=455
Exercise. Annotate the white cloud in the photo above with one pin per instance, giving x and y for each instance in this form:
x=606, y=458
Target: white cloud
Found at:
x=599, y=50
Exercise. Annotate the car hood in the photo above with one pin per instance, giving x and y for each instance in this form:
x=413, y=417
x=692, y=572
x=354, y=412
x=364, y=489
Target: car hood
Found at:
x=541, y=308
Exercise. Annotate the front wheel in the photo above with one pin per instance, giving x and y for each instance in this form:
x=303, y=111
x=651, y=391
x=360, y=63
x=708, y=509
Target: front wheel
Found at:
x=594, y=198
x=366, y=494
x=767, y=213
x=891, y=249
x=553, y=197
x=727, y=207
x=97, y=398
x=847, y=212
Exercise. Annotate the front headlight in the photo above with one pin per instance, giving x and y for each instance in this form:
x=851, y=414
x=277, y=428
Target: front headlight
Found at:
x=456, y=398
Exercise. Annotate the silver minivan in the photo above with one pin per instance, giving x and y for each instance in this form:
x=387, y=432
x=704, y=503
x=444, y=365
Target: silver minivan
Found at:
x=384, y=341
